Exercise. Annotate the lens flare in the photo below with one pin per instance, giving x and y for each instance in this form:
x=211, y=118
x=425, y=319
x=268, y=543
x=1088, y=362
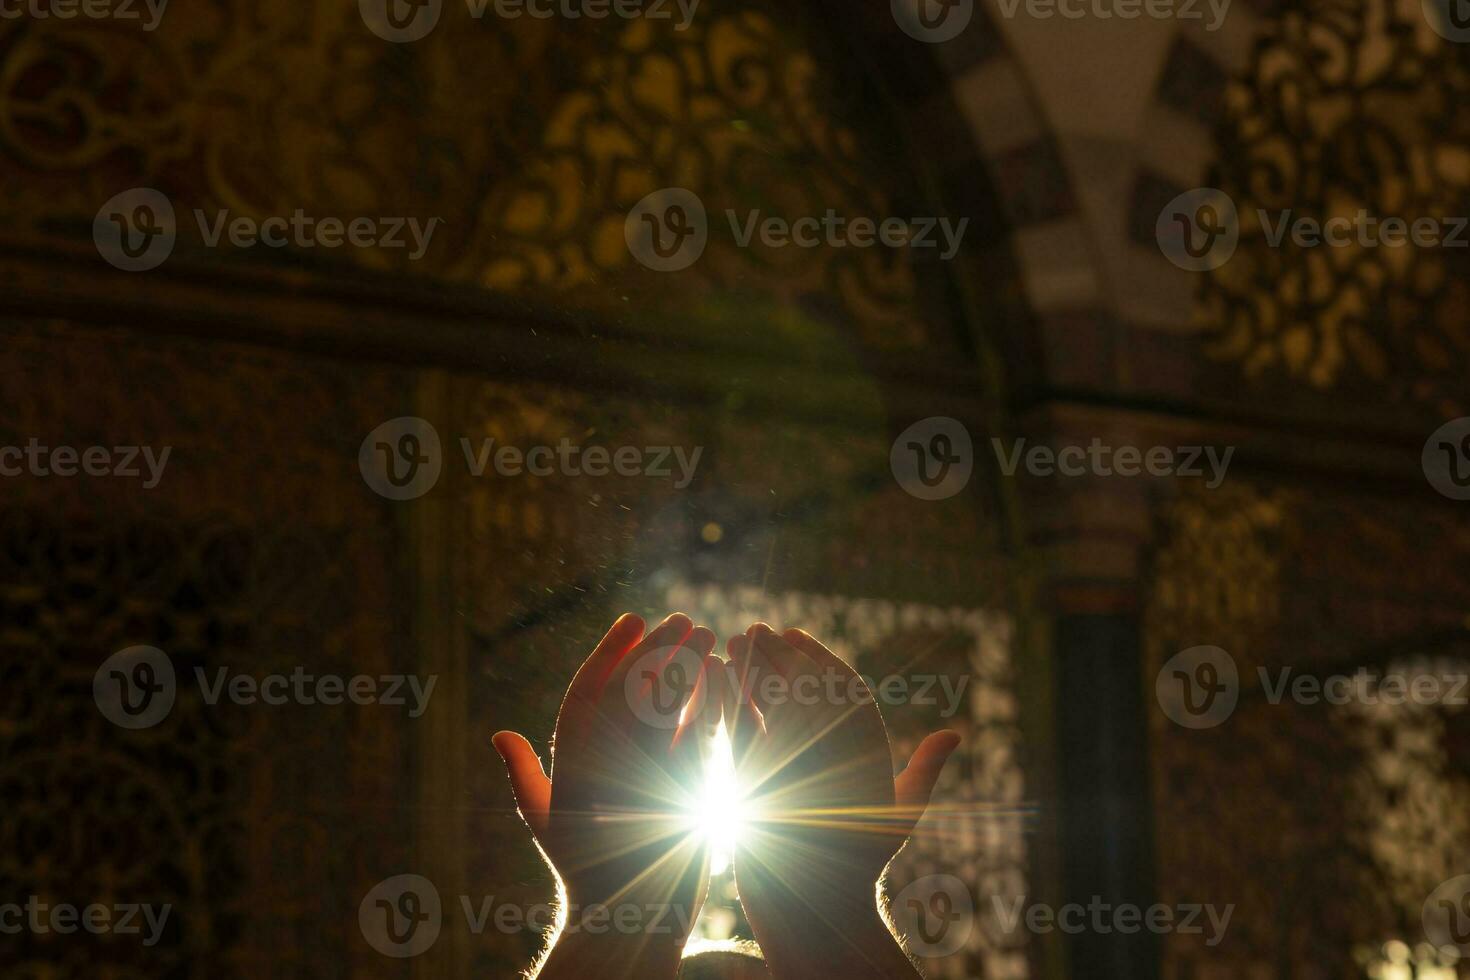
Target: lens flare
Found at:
x=718, y=812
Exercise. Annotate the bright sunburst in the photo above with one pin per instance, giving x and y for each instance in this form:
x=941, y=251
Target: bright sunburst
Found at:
x=719, y=810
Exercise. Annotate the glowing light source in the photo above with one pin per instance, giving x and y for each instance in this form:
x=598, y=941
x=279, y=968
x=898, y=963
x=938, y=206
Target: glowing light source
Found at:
x=1396, y=961
x=718, y=811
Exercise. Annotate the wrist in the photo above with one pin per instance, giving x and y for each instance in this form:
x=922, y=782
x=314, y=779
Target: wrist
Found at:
x=829, y=928
x=593, y=943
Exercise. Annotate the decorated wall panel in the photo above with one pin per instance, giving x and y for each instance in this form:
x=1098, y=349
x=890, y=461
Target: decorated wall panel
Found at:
x=1326, y=820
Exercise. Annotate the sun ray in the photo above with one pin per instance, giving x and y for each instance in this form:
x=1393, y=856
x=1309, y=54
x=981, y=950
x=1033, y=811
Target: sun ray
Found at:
x=719, y=811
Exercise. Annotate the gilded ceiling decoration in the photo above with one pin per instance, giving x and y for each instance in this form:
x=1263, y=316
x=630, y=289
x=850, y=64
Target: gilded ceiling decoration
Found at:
x=528, y=139
x=1348, y=108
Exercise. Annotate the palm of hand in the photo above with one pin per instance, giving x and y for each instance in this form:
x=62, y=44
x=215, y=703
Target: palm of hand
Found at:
x=609, y=817
x=815, y=757
x=814, y=754
x=819, y=763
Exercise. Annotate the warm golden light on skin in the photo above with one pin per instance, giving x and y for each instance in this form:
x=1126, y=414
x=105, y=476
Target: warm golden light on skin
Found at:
x=719, y=811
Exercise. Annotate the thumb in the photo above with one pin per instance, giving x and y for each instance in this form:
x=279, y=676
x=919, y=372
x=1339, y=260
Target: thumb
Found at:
x=915, y=784
x=527, y=779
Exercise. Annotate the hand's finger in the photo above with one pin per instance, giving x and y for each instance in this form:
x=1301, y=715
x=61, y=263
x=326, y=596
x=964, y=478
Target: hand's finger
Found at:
x=652, y=653
x=702, y=641
x=742, y=719
x=819, y=654
x=527, y=779
x=787, y=659
x=744, y=682
x=799, y=694
x=701, y=721
x=761, y=683
x=859, y=705
x=913, y=787
x=587, y=686
x=700, y=714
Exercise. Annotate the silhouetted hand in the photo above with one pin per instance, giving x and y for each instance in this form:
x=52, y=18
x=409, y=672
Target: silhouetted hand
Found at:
x=828, y=815
x=631, y=739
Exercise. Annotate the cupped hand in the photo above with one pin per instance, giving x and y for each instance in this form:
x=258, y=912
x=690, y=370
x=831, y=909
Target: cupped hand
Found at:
x=827, y=813
x=635, y=727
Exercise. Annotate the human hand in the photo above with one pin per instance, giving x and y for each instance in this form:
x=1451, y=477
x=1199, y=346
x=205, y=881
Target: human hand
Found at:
x=634, y=730
x=827, y=813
